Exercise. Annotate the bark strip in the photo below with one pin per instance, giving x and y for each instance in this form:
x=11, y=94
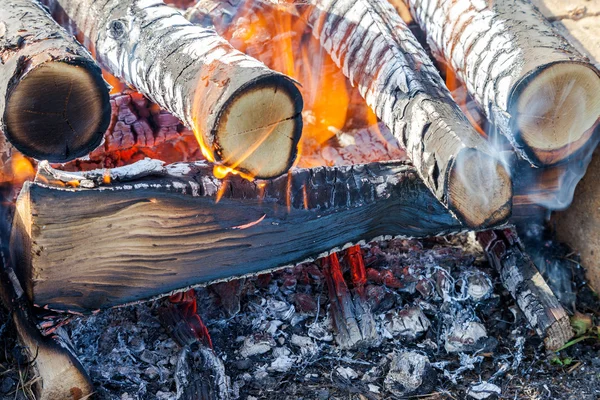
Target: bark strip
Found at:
x=54, y=103
x=379, y=54
x=246, y=115
x=536, y=88
x=82, y=244
x=524, y=282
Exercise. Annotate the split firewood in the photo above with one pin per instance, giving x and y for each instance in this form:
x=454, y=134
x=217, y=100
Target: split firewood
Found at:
x=245, y=116
x=579, y=225
x=58, y=374
x=521, y=278
x=54, y=102
x=156, y=229
x=535, y=87
x=379, y=54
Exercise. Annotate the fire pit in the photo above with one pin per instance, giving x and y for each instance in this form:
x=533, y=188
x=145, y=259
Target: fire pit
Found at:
x=265, y=215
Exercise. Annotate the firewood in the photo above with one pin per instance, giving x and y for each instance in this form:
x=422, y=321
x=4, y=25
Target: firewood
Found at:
x=58, y=372
x=521, y=278
x=379, y=54
x=245, y=115
x=83, y=244
x=579, y=225
x=536, y=88
x=54, y=102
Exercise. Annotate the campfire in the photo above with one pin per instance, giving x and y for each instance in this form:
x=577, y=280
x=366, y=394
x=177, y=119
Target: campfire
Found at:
x=279, y=144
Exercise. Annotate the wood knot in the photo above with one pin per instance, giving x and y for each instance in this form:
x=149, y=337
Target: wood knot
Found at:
x=116, y=29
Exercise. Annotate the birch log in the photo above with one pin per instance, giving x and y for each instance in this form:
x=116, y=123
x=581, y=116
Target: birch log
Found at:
x=82, y=244
x=526, y=285
x=54, y=103
x=379, y=54
x=536, y=88
x=246, y=115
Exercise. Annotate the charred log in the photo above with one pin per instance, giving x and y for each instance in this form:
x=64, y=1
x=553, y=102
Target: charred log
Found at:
x=521, y=278
x=246, y=115
x=536, y=88
x=54, y=102
x=380, y=56
x=158, y=229
x=58, y=372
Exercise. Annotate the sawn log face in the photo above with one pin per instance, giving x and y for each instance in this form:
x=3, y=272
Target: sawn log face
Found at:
x=85, y=249
x=54, y=103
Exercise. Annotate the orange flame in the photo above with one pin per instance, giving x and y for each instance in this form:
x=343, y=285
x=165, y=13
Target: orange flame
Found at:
x=18, y=170
x=284, y=42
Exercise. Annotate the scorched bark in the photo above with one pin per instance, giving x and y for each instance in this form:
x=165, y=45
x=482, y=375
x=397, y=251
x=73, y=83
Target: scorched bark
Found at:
x=83, y=245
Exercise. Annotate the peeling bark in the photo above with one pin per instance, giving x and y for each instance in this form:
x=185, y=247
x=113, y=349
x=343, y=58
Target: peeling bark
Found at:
x=246, y=115
x=536, y=88
x=54, y=102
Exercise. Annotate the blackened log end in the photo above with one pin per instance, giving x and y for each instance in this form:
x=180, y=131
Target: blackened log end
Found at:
x=58, y=111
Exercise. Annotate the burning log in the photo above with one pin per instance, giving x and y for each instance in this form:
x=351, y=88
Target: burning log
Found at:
x=84, y=244
x=55, y=103
x=380, y=56
x=246, y=115
x=524, y=282
x=536, y=88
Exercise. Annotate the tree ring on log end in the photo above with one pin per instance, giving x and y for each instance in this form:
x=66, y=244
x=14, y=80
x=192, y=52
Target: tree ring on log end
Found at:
x=479, y=189
x=554, y=109
x=260, y=126
x=58, y=111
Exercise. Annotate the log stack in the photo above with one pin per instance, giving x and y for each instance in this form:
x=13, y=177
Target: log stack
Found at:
x=54, y=103
x=245, y=116
x=533, y=85
x=379, y=54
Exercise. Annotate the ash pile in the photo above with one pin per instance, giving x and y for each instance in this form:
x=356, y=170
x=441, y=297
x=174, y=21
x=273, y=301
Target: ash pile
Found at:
x=431, y=321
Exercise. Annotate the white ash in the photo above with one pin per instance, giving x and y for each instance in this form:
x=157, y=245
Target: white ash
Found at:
x=407, y=372
x=483, y=390
x=273, y=349
x=463, y=336
x=408, y=323
x=478, y=285
x=346, y=373
x=257, y=344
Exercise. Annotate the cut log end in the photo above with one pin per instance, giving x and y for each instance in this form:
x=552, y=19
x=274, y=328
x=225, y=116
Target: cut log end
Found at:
x=479, y=189
x=58, y=111
x=261, y=144
x=556, y=108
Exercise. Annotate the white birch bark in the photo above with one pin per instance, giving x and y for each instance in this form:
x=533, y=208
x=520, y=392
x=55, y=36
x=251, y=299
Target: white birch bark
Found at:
x=379, y=55
x=246, y=113
x=536, y=88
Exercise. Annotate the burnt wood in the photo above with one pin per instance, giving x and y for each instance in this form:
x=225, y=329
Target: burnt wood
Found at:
x=242, y=112
x=524, y=282
x=54, y=103
x=83, y=245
